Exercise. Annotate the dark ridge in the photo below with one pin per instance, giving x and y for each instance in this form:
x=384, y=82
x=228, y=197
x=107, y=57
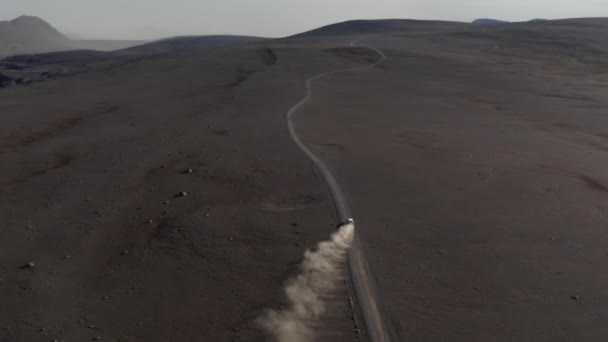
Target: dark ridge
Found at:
x=380, y=26
x=599, y=22
x=242, y=75
x=269, y=57
x=57, y=163
x=5, y=80
x=593, y=184
x=73, y=56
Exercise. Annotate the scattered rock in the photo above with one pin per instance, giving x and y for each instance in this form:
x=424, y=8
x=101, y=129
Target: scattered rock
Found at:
x=28, y=265
x=125, y=252
x=97, y=338
x=575, y=297
x=66, y=257
x=91, y=326
x=149, y=221
x=166, y=202
x=182, y=194
x=187, y=171
x=231, y=239
x=105, y=297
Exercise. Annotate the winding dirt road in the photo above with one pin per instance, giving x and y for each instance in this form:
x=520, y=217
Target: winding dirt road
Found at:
x=377, y=328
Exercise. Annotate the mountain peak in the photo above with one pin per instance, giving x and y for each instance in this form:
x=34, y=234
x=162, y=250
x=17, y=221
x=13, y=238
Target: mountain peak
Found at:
x=33, y=22
x=29, y=34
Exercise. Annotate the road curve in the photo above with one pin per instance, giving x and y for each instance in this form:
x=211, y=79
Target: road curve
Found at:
x=377, y=326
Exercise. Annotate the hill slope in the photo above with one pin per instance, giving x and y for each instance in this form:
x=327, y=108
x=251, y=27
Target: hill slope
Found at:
x=381, y=26
x=188, y=43
x=176, y=44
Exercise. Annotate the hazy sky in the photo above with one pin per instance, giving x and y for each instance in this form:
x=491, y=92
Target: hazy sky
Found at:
x=148, y=19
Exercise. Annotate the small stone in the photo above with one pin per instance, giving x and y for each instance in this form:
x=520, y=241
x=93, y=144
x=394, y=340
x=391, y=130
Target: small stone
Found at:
x=148, y=221
x=28, y=265
x=166, y=202
x=187, y=171
x=91, y=326
x=182, y=194
x=207, y=215
x=66, y=257
x=575, y=297
x=125, y=252
x=97, y=338
x=231, y=239
x=105, y=297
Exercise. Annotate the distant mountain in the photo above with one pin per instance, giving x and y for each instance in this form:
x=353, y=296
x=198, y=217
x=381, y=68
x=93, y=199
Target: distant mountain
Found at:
x=30, y=35
x=485, y=21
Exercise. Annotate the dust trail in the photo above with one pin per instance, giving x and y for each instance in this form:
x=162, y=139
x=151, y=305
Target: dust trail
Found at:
x=321, y=272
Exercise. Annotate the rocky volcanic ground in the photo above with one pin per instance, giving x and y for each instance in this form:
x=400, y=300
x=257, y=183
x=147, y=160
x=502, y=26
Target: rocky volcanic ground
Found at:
x=160, y=198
